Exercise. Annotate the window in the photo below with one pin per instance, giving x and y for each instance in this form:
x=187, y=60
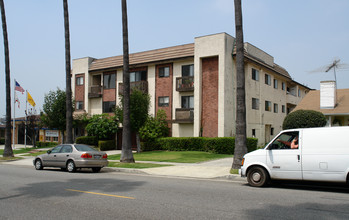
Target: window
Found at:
x=267, y=79
x=109, y=81
x=48, y=138
x=55, y=139
x=253, y=132
x=79, y=80
x=188, y=70
x=283, y=86
x=79, y=105
x=164, y=71
x=187, y=101
x=56, y=149
x=271, y=131
x=255, y=103
x=267, y=106
x=283, y=108
x=255, y=74
x=299, y=93
x=285, y=141
x=108, y=107
x=276, y=108
x=164, y=101
x=138, y=76
x=67, y=148
x=275, y=83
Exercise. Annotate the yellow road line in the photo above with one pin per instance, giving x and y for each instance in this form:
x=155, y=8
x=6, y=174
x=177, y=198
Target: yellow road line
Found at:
x=102, y=194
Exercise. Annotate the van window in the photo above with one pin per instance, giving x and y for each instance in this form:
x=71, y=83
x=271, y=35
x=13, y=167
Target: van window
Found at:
x=288, y=140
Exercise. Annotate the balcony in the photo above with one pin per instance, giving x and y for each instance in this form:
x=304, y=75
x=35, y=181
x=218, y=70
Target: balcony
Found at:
x=95, y=91
x=140, y=85
x=184, y=84
x=184, y=115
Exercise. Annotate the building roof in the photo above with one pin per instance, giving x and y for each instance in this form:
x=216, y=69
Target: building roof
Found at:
x=169, y=53
x=312, y=102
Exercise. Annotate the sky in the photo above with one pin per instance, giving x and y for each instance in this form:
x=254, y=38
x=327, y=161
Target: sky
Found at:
x=302, y=36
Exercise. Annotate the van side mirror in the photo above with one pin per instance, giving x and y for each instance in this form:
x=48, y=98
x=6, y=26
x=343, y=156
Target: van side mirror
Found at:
x=49, y=151
x=273, y=146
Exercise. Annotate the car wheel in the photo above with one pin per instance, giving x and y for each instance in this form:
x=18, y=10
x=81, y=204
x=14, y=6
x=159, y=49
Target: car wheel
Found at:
x=71, y=166
x=38, y=164
x=96, y=169
x=257, y=176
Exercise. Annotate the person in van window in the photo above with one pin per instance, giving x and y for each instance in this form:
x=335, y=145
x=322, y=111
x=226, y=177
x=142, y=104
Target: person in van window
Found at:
x=293, y=144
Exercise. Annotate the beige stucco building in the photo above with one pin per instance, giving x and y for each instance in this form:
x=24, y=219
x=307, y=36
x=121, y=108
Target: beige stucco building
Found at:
x=196, y=86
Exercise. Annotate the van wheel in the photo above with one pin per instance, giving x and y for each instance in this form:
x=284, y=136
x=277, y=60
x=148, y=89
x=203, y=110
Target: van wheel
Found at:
x=257, y=176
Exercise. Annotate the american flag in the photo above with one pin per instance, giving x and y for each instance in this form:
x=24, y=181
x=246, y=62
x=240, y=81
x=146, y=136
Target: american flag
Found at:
x=19, y=88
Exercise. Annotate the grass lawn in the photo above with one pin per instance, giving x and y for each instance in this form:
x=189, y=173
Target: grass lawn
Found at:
x=174, y=156
x=24, y=150
x=136, y=165
x=9, y=158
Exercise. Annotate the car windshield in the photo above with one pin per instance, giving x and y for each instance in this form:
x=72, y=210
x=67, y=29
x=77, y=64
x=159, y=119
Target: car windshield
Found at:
x=84, y=148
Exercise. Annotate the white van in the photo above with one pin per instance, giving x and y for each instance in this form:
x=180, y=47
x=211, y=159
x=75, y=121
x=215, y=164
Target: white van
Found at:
x=320, y=154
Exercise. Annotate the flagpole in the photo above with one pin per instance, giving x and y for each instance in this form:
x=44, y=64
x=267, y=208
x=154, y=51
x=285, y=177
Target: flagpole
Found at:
x=26, y=111
x=14, y=116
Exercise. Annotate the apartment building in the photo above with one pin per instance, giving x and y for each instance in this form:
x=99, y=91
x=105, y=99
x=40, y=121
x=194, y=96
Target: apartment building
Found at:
x=196, y=86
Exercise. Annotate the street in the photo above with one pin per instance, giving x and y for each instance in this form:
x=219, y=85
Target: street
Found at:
x=53, y=194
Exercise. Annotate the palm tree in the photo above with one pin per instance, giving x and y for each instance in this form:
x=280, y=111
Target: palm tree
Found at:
x=69, y=115
x=126, y=153
x=8, y=150
x=240, y=140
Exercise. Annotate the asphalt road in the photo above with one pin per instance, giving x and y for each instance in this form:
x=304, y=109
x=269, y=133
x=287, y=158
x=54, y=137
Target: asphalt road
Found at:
x=52, y=194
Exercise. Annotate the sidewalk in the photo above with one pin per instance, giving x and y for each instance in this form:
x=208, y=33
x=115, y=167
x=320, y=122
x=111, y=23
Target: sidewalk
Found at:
x=216, y=169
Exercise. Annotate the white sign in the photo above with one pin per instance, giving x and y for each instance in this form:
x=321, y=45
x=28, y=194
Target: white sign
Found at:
x=51, y=133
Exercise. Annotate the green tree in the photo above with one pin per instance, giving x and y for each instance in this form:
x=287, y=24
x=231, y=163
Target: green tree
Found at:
x=139, y=108
x=304, y=119
x=54, y=110
x=102, y=126
x=240, y=140
x=155, y=127
x=69, y=102
x=126, y=153
x=8, y=149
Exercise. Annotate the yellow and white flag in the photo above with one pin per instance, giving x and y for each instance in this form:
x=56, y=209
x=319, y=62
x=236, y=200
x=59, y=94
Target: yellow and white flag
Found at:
x=30, y=99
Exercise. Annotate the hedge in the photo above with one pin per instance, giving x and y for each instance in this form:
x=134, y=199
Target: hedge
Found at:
x=46, y=144
x=2, y=141
x=88, y=140
x=107, y=145
x=220, y=145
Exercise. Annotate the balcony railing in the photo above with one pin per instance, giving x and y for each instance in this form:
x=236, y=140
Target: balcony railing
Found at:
x=184, y=115
x=95, y=91
x=185, y=83
x=140, y=85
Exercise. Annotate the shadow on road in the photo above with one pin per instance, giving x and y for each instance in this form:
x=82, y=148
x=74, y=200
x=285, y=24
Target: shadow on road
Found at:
x=81, y=181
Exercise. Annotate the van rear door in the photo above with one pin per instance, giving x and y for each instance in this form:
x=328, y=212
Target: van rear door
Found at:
x=282, y=161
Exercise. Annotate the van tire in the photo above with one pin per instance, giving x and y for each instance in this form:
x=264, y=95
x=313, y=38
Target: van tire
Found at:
x=257, y=176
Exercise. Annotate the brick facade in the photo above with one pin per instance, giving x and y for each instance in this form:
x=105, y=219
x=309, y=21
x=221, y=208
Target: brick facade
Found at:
x=209, y=119
x=164, y=89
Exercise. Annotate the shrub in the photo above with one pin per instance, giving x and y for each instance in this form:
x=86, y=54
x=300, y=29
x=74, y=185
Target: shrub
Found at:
x=106, y=145
x=219, y=145
x=89, y=140
x=154, y=127
x=304, y=119
x=102, y=126
x=2, y=141
x=46, y=144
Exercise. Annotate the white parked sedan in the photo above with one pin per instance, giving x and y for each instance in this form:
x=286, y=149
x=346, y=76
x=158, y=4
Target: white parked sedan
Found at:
x=72, y=157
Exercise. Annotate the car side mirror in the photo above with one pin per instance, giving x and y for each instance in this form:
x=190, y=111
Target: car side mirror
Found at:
x=49, y=151
x=273, y=146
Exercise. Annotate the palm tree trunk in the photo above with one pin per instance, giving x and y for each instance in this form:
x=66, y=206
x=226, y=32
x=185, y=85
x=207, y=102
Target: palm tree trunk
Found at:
x=240, y=140
x=69, y=115
x=8, y=150
x=126, y=153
